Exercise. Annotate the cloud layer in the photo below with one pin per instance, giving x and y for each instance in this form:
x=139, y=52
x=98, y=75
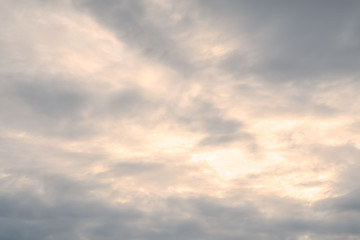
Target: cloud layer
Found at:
x=179, y=120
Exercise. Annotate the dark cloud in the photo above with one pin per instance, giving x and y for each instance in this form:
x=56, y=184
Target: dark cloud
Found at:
x=293, y=41
x=348, y=203
x=28, y=217
x=131, y=23
x=47, y=99
x=44, y=105
x=204, y=117
x=75, y=212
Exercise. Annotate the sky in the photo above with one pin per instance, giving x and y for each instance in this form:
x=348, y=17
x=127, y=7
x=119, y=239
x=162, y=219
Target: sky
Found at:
x=166, y=120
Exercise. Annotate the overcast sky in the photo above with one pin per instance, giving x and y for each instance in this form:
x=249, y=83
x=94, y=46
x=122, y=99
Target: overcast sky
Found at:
x=179, y=120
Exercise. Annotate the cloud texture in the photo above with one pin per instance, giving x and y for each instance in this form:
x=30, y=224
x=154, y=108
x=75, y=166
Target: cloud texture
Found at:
x=204, y=120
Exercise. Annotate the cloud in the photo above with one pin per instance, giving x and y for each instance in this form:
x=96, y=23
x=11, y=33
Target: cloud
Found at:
x=290, y=41
x=50, y=106
x=179, y=120
x=130, y=21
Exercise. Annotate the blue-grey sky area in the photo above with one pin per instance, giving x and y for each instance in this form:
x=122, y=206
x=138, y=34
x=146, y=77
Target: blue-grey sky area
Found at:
x=165, y=120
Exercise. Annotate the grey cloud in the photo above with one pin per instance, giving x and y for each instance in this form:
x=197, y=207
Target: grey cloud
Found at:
x=221, y=220
x=204, y=117
x=41, y=201
x=30, y=218
x=45, y=105
x=135, y=168
x=62, y=107
x=78, y=213
x=343, y=210
x=130, y=22
x=293, y=41
x=48, y=99
x=130, y=103
x=343, y=158
x=348, y=203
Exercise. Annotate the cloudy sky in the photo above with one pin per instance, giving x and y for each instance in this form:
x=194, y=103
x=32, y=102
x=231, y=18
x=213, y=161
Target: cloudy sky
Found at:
x=188, y=120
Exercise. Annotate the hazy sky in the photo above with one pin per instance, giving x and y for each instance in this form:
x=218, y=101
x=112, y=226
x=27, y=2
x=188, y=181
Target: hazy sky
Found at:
x=187, y=120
